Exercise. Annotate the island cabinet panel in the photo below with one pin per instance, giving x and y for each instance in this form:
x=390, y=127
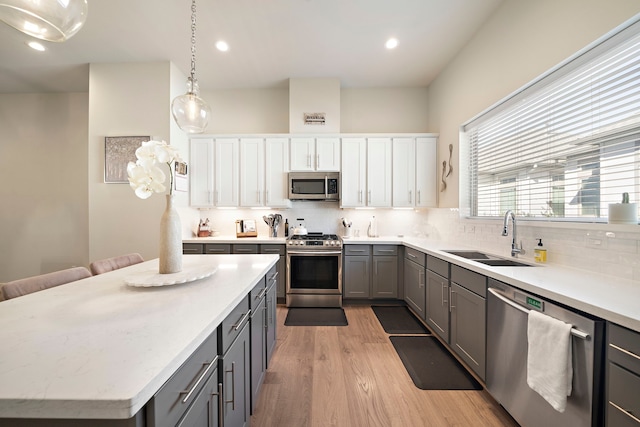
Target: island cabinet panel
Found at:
x=623, y=377
x=257, y=300
x=179, y=393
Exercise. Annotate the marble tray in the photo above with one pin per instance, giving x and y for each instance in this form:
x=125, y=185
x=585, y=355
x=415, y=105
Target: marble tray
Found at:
x=151, y=278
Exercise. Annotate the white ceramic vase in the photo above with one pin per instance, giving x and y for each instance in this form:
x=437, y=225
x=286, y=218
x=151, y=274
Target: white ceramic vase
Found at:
x=170, y=240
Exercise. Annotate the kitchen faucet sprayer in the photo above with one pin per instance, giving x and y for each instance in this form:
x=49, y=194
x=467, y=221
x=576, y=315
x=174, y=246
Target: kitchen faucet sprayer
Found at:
x=515, y=250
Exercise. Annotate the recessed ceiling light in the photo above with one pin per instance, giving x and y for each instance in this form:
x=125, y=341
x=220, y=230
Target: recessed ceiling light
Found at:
x=36, y=46
x=392, y=43
x=222, y=46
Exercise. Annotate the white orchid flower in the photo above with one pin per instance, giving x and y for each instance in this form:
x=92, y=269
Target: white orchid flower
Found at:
x=145, y=175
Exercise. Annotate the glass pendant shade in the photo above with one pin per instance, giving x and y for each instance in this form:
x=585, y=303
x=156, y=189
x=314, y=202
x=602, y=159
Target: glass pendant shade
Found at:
x=50, y=20
x=191, y=112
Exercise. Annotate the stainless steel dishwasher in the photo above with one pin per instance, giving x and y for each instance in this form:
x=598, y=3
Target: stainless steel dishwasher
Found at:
x=506, y=380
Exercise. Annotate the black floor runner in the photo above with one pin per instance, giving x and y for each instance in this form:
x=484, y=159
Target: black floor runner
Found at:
x=398, y=320
x=313, y=316
x=431, y=366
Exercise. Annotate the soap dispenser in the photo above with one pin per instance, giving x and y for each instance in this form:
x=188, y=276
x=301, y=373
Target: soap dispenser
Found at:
x=540, y=252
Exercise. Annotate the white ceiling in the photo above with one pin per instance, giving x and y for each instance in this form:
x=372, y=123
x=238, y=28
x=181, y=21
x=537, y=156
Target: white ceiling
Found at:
x=270, y=41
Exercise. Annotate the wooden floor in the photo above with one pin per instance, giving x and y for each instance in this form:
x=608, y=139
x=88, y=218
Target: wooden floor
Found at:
x=351, y=376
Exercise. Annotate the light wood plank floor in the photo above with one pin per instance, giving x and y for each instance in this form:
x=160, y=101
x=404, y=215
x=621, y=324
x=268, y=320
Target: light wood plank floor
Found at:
x=352, y=376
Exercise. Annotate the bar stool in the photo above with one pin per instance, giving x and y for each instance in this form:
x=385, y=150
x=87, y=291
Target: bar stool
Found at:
x=20, y=287
x=109, y=264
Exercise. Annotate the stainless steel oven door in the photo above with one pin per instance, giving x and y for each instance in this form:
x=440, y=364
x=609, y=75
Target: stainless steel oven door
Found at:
x=314, y=278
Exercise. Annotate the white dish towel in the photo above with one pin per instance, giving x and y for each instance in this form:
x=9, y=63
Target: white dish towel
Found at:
x=549, y=367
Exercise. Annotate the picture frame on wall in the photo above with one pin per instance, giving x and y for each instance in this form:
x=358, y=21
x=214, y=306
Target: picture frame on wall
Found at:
x=118, y=152
x=181, y=180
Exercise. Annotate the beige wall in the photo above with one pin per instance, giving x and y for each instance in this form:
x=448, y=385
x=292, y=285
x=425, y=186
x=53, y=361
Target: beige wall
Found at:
x=521, y=41
x=43, y=170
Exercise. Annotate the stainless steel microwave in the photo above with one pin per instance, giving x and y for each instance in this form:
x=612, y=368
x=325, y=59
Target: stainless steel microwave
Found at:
x=314, y=185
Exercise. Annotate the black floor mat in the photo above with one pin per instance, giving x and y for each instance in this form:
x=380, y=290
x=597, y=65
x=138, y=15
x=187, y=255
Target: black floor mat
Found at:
x=313, y=316
x=398, y=320
x=431, y=366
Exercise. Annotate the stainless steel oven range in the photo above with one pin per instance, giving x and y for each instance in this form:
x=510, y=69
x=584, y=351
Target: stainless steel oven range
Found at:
x=314, y=270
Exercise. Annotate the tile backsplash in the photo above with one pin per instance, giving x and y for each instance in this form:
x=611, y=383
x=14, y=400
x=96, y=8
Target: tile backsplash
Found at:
x=606, y=249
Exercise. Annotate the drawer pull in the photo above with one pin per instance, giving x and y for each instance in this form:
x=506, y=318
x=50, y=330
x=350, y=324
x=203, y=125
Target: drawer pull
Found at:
x=241, y=321
x=357, y=250
x=627, y=352
x=202, y=377
x=624, y=411
x=261, y=294
x=411, y=255
x=386, y=250
x=191, y=250
x=220, y=404
x=274, y=276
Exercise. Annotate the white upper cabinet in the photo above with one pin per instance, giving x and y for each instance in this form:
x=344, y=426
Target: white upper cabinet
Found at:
x=315, y=154
x=404, y=172
x=354, y=172
x=379, y=172
x=414, y=172
x=426, y=172
x=252, y=172
x=226, y=172
x=366, y=172
x=214, y=172
x=277, y=172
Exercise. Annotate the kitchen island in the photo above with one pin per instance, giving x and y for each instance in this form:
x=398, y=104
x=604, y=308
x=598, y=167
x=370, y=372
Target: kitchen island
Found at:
x=100, y=349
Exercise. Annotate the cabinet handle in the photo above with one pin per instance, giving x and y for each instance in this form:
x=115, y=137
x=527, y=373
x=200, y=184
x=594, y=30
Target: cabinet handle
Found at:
x=190, y=250
x=233, y=386
x=410, y=197
x=265, y=311
x=444, y=286
x=624, y=411
x=451, y=306
x=199, y=380
x=369, y=196
x=420, y=276
x=375, y=265
x=220, y=405
x=273, y=278
x=317, y=161
x=418, y=196
x=411, y=255
x=308, y=160
x=627, y=352
x=241, y=321
x=261, y=294
x=360, y=196
x=385, y=250
x=266, y=196
x=356, y=250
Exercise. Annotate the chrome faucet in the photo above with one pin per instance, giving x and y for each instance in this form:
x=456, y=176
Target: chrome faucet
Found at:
x=515, y=250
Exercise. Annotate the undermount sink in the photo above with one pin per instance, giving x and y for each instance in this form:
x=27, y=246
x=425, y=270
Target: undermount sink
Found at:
x=487, y=259
x=503, y=263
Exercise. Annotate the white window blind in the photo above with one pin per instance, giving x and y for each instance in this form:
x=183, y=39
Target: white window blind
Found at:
x=568, y=144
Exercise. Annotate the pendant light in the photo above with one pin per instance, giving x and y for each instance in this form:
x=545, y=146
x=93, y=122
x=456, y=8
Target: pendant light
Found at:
x=191, y=112
x=50, y=20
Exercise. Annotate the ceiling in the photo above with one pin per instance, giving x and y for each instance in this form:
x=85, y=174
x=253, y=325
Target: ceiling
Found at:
x=270, y=42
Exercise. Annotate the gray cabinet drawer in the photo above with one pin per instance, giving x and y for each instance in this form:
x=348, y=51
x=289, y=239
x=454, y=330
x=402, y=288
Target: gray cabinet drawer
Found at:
x=257, y=293
x=272, y=249
x=233, y=324
x=357, y=249
x=387, y=250
x=624, y=347
x=217, y=248
x=170, y=402
x=471, y=280
x=438, y=266
x=192, y=248
x=624, y=389
x=415, y=256
x=244, y=249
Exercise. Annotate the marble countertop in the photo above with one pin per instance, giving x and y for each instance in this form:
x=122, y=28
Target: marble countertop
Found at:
x=231, y=239
x=97, y=348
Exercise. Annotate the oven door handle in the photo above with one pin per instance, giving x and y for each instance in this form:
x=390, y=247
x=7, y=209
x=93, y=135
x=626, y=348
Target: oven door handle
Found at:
x=314, y=252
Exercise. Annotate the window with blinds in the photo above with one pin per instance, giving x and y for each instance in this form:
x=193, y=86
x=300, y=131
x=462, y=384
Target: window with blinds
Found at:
x=568, y=144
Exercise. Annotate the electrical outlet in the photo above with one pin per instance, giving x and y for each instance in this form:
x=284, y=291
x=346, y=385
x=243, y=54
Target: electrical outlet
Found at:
x=596, y=243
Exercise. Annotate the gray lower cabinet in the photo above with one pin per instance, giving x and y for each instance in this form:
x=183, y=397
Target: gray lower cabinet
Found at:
x=370, y=271
x=258, y=339
x=623, y=377
x=414, y=281
x=438, y=303
x=468, y=308
x=357, y=277
x=205, y=410
x=271, y=305
x=235, y=374
x=281, y=266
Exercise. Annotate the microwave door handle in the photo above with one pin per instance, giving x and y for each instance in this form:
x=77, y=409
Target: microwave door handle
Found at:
x=326, y=187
